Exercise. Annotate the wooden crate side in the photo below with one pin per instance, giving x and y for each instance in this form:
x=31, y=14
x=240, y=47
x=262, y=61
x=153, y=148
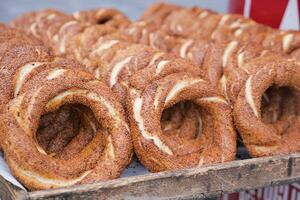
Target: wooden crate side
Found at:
x=188, y=183
x=8, y=191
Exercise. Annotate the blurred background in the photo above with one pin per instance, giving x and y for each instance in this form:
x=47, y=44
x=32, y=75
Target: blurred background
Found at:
x=9, y=9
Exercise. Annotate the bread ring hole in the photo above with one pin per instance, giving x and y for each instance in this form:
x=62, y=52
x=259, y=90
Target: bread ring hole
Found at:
x=104, y=20
x=67, y=130
x=279, y=107
x=183, y=119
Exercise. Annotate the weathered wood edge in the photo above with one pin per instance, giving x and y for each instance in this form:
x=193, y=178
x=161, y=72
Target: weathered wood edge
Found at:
x=188, y=183
x=8, y=191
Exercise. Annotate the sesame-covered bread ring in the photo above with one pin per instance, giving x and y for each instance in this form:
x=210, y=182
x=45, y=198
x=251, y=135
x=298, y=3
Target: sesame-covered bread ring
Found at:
x=108, y=16
x=158, y=12
x=20, y=64
x=159, y=151
x=274, y=106
x=197, y=23
x=284, y=41
x=18, y=58
x=37, y=170
x=281, y=136
x=206, y=55
x=115, y=59
x=234, y=61
x=161, y=65
x=19, y=37
x=59, y=127
x=22, y=58
x=179, y=22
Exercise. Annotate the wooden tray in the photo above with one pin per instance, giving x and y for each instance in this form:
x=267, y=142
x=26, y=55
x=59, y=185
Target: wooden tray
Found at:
x=204, y=182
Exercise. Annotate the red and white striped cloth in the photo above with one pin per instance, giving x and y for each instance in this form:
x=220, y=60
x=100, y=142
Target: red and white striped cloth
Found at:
x=283, y=14
x=284, y=192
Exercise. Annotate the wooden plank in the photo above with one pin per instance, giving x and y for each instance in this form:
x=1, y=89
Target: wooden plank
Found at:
x=9, y=191
x=188, y=183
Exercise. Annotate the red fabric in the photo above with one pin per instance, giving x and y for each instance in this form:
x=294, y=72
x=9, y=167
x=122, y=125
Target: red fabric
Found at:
x=268, y=12
x=237, y=6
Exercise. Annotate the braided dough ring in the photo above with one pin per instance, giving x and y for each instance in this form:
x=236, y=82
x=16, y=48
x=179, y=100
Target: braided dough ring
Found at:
x=103, y=158
x=158, y=151
x=264, y=139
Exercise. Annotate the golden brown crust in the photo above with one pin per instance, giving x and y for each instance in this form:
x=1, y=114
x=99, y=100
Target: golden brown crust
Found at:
x=107, y=16
x=34, y=84
x=197, y=23
x=158, y=12
x=227, y=50
x=14, y=57
x=260, y=137
x=224, y=65
x=22, y=59
x=158, y=150
x=115, y=60
x=127, y=64
x=23, y=113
